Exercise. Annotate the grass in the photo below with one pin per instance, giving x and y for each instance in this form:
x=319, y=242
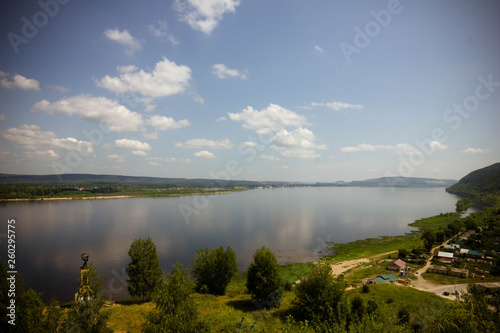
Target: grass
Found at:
x=434, y=222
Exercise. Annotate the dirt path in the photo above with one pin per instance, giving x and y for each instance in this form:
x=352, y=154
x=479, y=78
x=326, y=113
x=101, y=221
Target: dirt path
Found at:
x=346, y=265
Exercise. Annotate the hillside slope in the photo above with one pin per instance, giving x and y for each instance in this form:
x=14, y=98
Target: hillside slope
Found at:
x=485, y=181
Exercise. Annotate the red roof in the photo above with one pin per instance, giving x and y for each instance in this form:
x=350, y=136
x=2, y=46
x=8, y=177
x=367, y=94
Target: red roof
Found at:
x=399, y=263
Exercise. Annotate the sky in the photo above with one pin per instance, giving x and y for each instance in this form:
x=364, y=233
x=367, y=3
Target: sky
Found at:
x=312, y=91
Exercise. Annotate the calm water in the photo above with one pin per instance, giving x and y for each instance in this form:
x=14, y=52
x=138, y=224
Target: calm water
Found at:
x=295, y=223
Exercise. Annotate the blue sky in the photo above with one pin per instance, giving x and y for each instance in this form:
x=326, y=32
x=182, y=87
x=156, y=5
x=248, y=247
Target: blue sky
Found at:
x=256, y=90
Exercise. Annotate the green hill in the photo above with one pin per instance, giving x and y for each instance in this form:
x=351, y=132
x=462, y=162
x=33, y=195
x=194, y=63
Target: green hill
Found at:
x=482, y=181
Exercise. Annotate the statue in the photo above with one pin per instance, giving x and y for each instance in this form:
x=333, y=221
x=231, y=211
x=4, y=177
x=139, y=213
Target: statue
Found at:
x=84, y=289
x=85, y=258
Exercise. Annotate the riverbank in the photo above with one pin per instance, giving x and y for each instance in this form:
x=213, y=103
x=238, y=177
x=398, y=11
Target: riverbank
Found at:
x=121, y=196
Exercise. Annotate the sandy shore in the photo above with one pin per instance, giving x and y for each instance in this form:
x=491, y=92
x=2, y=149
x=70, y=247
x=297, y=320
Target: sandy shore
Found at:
x=117, y=196
x=344, y=266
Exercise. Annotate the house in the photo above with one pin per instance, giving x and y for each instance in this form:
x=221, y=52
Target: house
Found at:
x=463, y=273
x=445, y=257
x=475, y=254
x=396, y=265
x=386, y=278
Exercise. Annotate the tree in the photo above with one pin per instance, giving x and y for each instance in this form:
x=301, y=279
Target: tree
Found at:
x=402, y=253
x=264, y=279
x=213, y=269
x=53, y=317
x=30, y=312
x=321, y=296
x=144, y=270
x=175, y=310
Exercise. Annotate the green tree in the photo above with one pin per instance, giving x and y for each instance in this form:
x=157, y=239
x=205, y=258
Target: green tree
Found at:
x=264, y=279
x=175, y=310
x=402, y=253
x=213, y=269
x=30, y=312
x=321, y=296
x=53, y=317
x=144, y=270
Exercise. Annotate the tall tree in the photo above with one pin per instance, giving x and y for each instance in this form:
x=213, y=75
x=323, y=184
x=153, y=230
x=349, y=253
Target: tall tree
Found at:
x=264, y=280
x=175, y=310
x=213, y=269
x=144, y=270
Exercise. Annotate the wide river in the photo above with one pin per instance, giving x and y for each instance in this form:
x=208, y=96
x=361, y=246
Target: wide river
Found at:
x=295, y=223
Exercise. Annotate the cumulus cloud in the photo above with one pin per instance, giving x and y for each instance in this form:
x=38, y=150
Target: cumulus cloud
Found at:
x=39, y=154
x=474, y=151
x=337, y=106
x=204, y=15
x=167, y=78
x=33, y=138
x=220, y=119
x=319, y=49
x=204, y=154
x=400, y=149
x=198, y=99
x=223, y=72
x=200, y=143
x=248, y=144
x=297, y=143
x=132, y=144
x=123, y=38
x=59, y=88
x=96, y=109
x=436, y=145
x=17, y=81
x=162, y=123
x=272, y=118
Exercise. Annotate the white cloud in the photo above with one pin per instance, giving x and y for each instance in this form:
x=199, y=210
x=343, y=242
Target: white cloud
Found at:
x=3, y=117
x=270, y=158
x=400, y=148
x=162, y=123
x=32, y=137
x=200, y=143
x=298, y=143
x=39, y=154
x=151, y=136
x=124, y=38
x=165, y=79
x=337, y=106
x=198, y=99
x=96, y=109
x=137, y=147
x=272, y=118
x=59, y=88
x=248, y=144
x=116, y=157
x=223, y=72
x=220, y=119
x=204, y=154
x=436, y=145
x=161, y=31
x=474, y=151
x=204, y=15
x=156, y=164
x=17, y=81
x=318, y=48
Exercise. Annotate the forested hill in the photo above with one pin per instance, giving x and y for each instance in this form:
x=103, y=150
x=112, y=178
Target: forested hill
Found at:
x=485, y=181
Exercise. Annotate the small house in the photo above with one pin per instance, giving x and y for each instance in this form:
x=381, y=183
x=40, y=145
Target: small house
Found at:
x=445, y=257
x=396, y=265
x=386, y=278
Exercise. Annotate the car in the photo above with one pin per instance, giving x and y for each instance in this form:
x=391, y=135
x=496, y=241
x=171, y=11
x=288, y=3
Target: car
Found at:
x=446, y=293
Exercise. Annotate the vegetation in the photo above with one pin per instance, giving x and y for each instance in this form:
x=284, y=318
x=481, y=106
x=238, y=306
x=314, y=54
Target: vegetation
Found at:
x=320, y=296
x=144, y=270
x=264, y=281
x=213, y=269
x=175, y=310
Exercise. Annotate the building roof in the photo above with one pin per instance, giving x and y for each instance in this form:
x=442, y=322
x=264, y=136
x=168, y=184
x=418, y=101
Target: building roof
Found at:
x=464, y=251
x=400, y=263
x=475, y=253
x=445, y=254
x=386, y=278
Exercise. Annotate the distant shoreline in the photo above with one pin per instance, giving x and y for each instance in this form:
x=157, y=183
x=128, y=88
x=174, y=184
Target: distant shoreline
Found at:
x=116, y=196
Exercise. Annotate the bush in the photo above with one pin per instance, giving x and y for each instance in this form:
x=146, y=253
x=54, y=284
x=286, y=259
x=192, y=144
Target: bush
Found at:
x=365, y=289
x=264, y=279
x=213, y=269
x=320, y=296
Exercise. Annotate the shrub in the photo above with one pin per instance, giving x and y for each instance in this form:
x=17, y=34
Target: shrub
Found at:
x=213, y=269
